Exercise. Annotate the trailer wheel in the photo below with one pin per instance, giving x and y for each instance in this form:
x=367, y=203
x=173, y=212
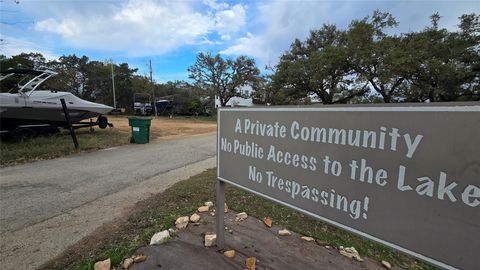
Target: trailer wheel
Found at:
x=102, y=122
x=21, y=134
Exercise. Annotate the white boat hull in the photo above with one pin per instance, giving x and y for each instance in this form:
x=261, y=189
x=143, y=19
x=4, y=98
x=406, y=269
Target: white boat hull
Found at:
x=44, y=107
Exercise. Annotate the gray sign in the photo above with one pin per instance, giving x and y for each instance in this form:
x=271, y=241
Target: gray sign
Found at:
x=405, y=176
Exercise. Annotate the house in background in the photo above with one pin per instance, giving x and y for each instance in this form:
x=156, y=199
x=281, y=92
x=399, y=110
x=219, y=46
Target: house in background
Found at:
x=246, y=101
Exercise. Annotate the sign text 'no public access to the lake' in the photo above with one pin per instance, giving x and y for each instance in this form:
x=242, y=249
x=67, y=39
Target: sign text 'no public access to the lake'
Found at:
x=406, y=176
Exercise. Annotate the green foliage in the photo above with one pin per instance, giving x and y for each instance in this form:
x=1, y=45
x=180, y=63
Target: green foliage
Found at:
x=447, y=64
x=321, y=66
x=21, y=61
x=340, y=66
x=184, y=98
x=92, y=80
x=223, y=77
x=378, y=59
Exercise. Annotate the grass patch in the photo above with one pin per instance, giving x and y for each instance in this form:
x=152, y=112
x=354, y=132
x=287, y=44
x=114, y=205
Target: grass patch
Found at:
x=203, y=118
x=61, y=144
x=160, y=212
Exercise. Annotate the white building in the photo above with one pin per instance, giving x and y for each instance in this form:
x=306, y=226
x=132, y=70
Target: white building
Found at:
x=246, y=91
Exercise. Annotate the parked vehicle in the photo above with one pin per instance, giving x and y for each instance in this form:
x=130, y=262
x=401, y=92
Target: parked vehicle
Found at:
x=26, y=111
x=142, y=104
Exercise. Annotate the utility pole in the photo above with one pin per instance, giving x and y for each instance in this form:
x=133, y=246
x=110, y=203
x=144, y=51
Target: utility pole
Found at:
x=113, y=87
x=153, y=90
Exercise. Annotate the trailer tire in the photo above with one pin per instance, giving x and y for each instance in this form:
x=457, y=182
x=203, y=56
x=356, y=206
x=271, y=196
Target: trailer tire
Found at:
x=102, y=122
x=21, y=134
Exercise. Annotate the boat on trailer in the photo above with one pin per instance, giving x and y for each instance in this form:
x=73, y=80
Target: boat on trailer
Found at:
x=26, y=111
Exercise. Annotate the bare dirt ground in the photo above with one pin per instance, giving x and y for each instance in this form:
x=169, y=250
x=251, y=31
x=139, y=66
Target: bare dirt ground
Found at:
x=249, y=238
x=167, y=128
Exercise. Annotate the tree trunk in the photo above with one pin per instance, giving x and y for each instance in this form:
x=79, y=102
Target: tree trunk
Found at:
x=381, y=91
x=223, y=102
x=431, y=97
x=386, y=98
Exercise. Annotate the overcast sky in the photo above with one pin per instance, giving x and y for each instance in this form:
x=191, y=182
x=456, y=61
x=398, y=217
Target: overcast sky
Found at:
x=171, y=33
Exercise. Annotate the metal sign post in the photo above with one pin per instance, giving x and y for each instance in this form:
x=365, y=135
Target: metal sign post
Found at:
x=220, y=214
x=220, y=199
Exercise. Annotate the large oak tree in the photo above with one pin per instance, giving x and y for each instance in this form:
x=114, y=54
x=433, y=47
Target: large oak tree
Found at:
x=319, y=65
x=223, y=77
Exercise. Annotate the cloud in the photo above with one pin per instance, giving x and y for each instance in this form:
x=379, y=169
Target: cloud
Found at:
x=230, y=20
x=146, y=27
x=281, y=22
x=66, y=28
x=213, y=4
x=11, y=46
x=255, y=46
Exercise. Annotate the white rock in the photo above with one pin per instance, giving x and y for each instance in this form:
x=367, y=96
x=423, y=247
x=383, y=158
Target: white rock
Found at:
x=308, y=238
x=284, y=232
x=195, y=218
x=386, y=264
x=159, y=238
x=182, y=222
x=251, y=263
x=102, y=265
x=241, y=216
x=225, y=206
x=229, y=253
x=210, y=239
x=172, y=230
x=209, y=204
x=127, y=263
x=350, y=252
x=139, y=258
x=202, y=209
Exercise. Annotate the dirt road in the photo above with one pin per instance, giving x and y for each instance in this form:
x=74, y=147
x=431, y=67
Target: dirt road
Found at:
x=48, y=205
x=167, y=128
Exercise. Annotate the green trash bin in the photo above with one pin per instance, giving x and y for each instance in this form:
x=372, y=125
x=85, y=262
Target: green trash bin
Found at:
x=140, y=129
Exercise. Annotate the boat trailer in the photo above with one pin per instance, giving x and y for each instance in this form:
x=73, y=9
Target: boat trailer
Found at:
x=22, y=132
